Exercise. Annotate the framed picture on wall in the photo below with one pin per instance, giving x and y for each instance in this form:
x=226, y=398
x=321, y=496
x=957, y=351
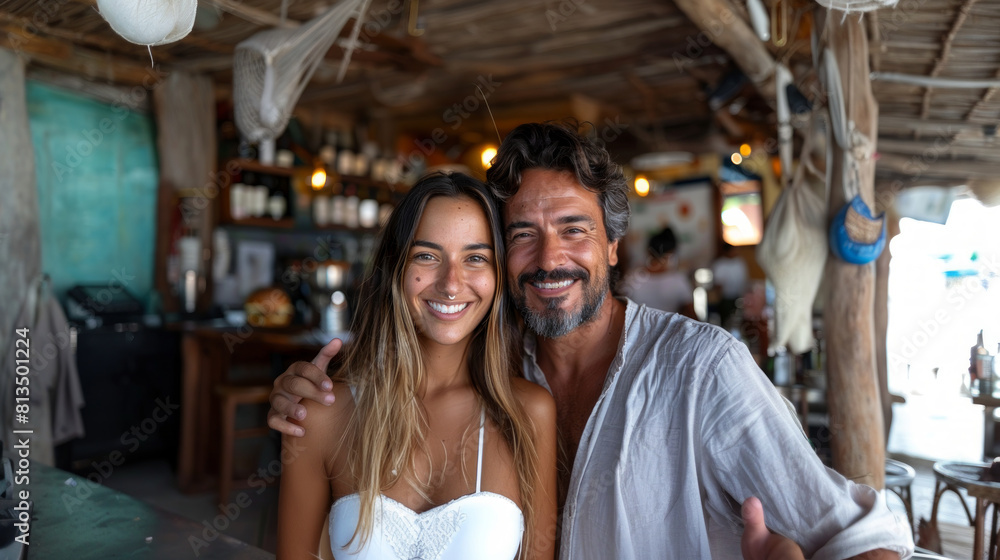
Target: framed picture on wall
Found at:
x=742, y=216
x=687, y=208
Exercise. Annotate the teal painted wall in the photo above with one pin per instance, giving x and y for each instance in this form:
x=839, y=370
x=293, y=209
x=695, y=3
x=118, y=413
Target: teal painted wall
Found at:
x=97, y=178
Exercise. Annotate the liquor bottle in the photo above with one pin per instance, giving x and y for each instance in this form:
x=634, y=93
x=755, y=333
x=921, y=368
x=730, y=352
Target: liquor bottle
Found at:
x=975, y=365
x=978, y=350
x=351, y=206
x=338, y=206
x=368, y=210
x=328, y=151
x=345, y=154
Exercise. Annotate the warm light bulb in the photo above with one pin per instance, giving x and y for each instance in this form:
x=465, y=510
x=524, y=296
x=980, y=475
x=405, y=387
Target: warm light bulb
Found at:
x=319, y=178
x=641, y=186
x=736, y=158
x=488, y=155
x=745, y=150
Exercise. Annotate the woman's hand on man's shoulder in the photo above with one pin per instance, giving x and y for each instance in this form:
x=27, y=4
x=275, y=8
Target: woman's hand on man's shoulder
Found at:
x=324, y=419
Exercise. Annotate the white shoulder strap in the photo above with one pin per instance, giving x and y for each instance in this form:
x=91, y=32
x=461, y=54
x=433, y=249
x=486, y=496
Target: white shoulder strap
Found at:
x=479, y=461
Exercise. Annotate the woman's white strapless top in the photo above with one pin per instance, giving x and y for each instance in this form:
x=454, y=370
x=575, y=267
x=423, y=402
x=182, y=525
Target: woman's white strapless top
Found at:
x=481, y=526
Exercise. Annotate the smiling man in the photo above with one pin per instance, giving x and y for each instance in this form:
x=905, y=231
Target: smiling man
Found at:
x=668, y=428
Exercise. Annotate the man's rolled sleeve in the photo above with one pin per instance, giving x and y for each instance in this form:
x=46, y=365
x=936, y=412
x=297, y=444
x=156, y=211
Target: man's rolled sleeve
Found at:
x=753, y=447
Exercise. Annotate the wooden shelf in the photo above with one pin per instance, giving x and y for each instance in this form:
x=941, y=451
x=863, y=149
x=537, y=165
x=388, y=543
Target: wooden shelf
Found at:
x=334, y=177
x=339, y=227
x=257, y=167
x=265, y=222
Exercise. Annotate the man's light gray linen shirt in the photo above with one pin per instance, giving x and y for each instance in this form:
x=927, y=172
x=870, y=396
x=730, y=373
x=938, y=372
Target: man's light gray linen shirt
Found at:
x=687, y=428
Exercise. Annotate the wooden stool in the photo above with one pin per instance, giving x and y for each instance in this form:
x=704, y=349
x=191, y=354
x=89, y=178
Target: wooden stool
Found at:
x=898, y=479
x=954, y=475
x=230, y=397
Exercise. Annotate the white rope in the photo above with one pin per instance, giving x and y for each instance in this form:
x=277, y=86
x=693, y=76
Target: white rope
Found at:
x=353, y=43
x=856, y=145
x=850, y=6
x=835, y=98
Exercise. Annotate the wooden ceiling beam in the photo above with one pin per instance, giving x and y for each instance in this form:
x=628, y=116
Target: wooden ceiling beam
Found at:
x=195, y=40
x=960, y=17
x=18, y=28
x=939, y=151
x=875, y=40
x=938, y=126
x=987, y=96
x=916, y=168
x=66, y=56
x=719, y=21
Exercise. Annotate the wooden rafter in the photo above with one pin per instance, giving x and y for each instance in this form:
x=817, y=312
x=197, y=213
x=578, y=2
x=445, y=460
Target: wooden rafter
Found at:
x=647, y=93
x=18, y=29
x=69, y=57
x=960, y=17
x=917, y=167
x=899, y=122
x=938, y=150
x=253, y=15
x=724, y=27
x=988, y=95
x=875, y=40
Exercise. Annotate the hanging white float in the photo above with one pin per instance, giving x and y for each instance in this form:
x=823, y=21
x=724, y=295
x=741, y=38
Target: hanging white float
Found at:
x=149, y=22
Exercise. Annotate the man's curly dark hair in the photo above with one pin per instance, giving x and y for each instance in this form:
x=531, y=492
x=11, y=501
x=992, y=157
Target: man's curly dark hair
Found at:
x=559, y=147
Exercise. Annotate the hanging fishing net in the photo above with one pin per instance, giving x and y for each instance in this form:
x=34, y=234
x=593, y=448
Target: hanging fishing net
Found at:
x=271, y=68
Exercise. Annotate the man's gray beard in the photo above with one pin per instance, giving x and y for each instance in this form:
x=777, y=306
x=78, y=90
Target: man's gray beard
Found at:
x=555, y=323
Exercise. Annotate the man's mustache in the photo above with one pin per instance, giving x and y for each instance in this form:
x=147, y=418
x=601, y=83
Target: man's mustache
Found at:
x=552, y=276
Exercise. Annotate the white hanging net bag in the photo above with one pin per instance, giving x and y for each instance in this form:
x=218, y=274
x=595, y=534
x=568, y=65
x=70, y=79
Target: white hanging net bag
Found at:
x=149, y=22
x=794, y=248
x=272, y=68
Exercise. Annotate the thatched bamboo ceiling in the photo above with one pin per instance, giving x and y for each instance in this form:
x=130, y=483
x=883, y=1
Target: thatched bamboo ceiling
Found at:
x=945, y=134
x=642, y=63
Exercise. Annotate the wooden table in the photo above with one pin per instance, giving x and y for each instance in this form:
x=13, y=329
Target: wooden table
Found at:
x=208, y=354
x=81, y=519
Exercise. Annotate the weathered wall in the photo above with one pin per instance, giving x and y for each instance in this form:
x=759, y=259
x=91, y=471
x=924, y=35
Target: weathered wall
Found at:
x=97, y=177
x=20, y=250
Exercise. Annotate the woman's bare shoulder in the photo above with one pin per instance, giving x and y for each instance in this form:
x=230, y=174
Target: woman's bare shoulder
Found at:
x=324, y=419
x=535, y=399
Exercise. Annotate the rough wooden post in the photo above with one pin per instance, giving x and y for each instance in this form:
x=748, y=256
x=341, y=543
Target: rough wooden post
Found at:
x=882, y=306
x=20, y=239
x=855, y=404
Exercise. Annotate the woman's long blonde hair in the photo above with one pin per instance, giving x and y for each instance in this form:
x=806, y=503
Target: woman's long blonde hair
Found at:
x=383, y=362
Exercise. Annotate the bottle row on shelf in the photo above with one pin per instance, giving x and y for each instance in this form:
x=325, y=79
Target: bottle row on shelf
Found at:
x=346, y=208
x=280, y=197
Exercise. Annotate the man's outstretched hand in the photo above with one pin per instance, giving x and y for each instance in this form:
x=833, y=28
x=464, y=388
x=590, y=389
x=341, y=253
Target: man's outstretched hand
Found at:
x=302, y=380
x=760, y=544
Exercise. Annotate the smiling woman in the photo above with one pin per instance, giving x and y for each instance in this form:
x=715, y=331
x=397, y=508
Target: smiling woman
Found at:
x=426, y=391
